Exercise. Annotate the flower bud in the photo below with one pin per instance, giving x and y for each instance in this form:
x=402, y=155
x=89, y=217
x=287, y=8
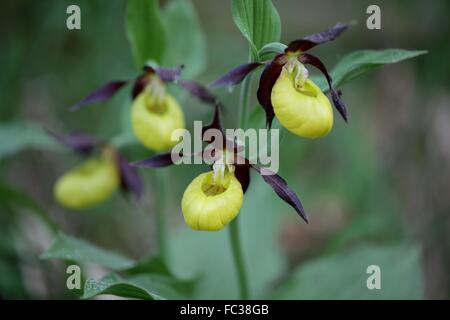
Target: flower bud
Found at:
x=154, y=118
x=300, y=106
x=209, y=204
x=89, y=184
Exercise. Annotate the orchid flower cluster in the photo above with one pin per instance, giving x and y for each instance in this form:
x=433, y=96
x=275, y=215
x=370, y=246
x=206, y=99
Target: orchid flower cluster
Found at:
x=214, y=198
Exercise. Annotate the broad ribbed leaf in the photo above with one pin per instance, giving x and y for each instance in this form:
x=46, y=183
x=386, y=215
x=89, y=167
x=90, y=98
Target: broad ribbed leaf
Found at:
x=187, y=44
x=259, y=22
x=144, y=286
x=360, y=62
x=146, y=31
x=344, y=275
x=68, y=248
x=18, y=199
x=271, y=49
x=16, y=137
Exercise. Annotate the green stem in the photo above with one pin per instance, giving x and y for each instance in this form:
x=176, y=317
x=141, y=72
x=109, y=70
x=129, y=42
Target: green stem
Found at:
x=236, y=248
x=162, y=178
x=239, y=259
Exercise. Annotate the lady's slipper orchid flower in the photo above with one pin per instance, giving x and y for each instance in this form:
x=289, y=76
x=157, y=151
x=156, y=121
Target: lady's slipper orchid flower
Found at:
x=155, y=113
x=215, y=198
x=98, y=177
x=286, y=91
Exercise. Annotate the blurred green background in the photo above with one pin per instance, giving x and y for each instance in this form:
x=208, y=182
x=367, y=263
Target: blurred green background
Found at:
x=376, y=189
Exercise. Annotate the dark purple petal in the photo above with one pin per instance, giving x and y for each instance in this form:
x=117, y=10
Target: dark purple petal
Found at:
x=77, y=141
x=335, y=96
x=199, y=91
x=130, y=178
x=169, y=74
x=139, y=84
x=242, y=173
x=101, y=94
x=236, y=75
x=266, y=83
x=158, y=161
x=313, y=40
x=281, y=188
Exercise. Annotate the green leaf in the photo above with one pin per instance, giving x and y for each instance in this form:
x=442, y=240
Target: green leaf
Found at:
x=145, y=30
x=259, y=22
x=150, y=265
x=344, y=276
x=144, y=286
x=270, y=49
x=187, y=43
x=18, y=198
x=68, y=248
x=16, y=137
x=357, y=63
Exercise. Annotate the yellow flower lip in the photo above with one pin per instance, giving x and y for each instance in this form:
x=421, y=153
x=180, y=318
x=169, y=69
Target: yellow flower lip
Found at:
x=305, y=110
x=209, y=204
x=154, y=118
x=89, y=184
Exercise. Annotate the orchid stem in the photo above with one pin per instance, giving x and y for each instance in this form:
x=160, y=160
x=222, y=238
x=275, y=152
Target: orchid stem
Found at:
x=236, y=245
x=239, y=259
x=161, y=212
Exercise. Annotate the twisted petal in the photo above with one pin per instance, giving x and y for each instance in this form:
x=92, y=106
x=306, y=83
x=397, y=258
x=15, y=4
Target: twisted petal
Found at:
x=266, y=83
x=101, y=94
x=169, y=74
x=77, y=141
x=281, y=188
x=335, y=95
x=242, y=173
x=236, y=75
x=313, y=40
x=130, y=178
x=199, y=91
x=159, y=161
x=139, y=84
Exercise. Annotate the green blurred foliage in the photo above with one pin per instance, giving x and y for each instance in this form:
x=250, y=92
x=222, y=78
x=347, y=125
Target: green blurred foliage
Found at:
x=357, y=184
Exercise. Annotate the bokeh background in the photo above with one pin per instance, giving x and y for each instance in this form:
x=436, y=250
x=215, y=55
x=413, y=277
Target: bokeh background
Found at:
x=376, y=189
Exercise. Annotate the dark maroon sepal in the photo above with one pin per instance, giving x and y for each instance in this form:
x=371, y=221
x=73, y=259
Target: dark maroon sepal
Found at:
x=242, y=173
x=199, y=91
x=281, y=188
x=169, y=74
x=77, y=141
x=139, y=84
x=268, y=78
x=313, y=40
x=335, y=95
x=159, y=161
x=216, y=123
x=236, y=75
x=101, y=94
x=130, y=179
